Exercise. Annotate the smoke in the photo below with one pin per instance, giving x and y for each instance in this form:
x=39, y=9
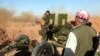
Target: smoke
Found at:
x=25, y=17
x=8, y=15
x=5, y=14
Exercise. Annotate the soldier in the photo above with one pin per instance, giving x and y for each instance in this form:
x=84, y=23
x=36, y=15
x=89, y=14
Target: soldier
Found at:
x=46, y=18
x=21, y=45
x=45, y=27
x=80, y=38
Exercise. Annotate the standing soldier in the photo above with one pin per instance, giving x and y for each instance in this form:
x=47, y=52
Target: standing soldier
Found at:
x=45, y=27
x=46, y=18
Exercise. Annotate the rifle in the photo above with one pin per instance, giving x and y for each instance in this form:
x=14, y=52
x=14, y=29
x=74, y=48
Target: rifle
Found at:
x=6, y=49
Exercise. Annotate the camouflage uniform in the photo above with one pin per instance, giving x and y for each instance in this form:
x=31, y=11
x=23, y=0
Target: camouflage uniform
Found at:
x=23, y=42
x=46, y=19
x=45, y=27
x=21, y=45
x=62, y=34
x=50, y=31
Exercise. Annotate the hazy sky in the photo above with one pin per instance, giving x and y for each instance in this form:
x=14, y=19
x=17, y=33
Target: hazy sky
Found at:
x=38, y=7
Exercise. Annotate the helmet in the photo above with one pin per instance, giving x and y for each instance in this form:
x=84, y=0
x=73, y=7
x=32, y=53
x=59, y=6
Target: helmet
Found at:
x=22, y=42
x=47, y=12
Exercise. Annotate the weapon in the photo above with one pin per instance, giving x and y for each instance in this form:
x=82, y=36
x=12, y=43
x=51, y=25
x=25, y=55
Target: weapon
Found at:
x=6, y=49
x=21, y=44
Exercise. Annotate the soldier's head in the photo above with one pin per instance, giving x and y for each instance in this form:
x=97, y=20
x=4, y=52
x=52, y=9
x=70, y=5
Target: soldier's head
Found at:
x=47, y=12
x=22, y=42
x=81, y=17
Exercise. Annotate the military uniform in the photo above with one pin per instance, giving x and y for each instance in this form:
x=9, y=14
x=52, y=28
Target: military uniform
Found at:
x=21, y=45
x=46, y=19
x=45, y=27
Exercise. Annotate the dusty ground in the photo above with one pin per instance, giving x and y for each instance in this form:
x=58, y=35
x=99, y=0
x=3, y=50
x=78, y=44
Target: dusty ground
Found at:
x=13, y=29
x=96, y=23
x=24, y=24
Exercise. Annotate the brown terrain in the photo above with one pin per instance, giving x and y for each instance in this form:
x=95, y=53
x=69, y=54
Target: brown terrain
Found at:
x=10, y=29
x=96, y=23
x=13, y=29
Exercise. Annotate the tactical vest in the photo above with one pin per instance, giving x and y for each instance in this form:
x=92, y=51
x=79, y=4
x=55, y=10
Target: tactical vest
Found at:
x=84, y=35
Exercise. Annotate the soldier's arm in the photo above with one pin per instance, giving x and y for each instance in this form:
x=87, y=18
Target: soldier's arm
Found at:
x=7, y=49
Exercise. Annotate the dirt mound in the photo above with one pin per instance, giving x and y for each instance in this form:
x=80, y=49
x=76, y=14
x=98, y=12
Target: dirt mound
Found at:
x=3, y=35
x=96, y=23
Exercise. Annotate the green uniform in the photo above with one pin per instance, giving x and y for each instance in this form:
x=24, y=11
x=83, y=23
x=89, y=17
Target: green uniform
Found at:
x=46, y=19
x=21, y=45
x=44, y=28
x=84, y=35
